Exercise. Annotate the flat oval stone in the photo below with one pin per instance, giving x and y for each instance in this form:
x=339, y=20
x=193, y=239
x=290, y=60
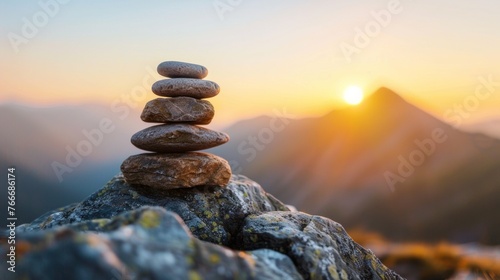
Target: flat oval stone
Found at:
x=177, y=69
x=186, y=87
x=174, y=138
x=178, y=109
x=179, y=170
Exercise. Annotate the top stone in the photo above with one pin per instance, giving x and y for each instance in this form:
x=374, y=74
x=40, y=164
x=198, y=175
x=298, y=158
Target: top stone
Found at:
x=176, y=69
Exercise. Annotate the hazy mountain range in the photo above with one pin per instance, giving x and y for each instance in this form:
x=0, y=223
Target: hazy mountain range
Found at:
x=34, y=138
x=338, y=165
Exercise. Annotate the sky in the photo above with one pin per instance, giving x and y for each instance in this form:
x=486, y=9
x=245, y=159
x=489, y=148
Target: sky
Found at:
x=288, y=55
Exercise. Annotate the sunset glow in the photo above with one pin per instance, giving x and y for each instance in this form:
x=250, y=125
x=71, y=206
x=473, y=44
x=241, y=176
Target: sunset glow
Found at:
x=353, y=95
x=262, y=66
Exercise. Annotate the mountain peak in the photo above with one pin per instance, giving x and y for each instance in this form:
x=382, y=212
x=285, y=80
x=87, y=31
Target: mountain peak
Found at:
x=384, y=94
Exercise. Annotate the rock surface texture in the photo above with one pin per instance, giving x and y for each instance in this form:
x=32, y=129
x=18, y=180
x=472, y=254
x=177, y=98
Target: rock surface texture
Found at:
x=181, y=170
x=233, y=232
x=174, y=138
x=186, y=87
x=178, y=134
x=176, y=69
x=178, y=110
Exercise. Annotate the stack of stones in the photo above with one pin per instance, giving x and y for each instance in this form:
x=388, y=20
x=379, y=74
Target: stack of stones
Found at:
x=174, y=164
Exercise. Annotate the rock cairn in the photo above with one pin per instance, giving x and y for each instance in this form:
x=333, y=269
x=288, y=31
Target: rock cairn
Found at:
x=174, y=164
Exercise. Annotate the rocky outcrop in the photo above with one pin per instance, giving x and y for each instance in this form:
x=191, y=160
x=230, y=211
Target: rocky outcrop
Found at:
x=213, y=214
x=238, y=231
x=147, y=243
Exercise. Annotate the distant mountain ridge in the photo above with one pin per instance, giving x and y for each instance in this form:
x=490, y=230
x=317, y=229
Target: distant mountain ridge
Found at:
x=335, y=166
x=489, y=127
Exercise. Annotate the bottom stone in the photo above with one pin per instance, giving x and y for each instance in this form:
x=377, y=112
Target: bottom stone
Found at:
x=173, y=171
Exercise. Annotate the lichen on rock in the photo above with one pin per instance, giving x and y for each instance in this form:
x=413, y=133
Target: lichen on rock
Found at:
x=320, y=247
x=147, y=243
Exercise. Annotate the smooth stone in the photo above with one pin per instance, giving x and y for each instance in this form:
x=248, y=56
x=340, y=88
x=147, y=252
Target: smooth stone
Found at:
x=177, y=69
x=186, y=87
x=174, y=138
x=179, y=170
x=178, y=109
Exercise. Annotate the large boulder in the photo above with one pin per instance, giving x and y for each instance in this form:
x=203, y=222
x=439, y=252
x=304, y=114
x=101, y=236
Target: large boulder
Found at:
x=320, y=247
x=240, y=231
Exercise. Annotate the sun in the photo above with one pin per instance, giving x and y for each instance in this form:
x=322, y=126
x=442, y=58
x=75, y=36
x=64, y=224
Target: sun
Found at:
x=353, y=95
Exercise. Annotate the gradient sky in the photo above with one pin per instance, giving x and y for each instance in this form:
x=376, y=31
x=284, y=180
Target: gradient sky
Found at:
x=265, y=55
